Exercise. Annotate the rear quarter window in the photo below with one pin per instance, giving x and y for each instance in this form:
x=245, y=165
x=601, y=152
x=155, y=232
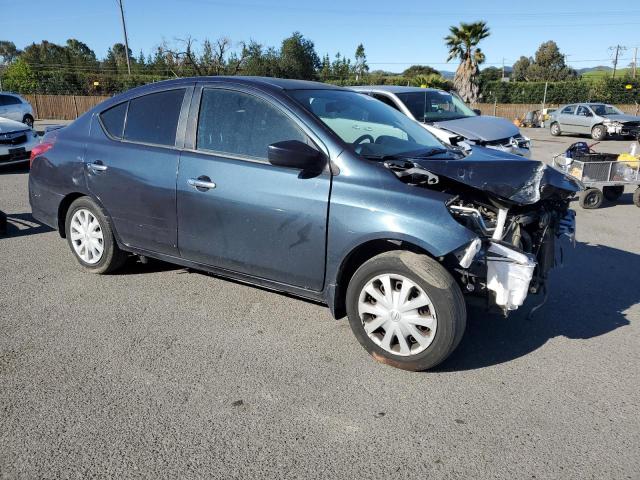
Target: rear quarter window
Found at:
x=154, y=118
x=113, y=120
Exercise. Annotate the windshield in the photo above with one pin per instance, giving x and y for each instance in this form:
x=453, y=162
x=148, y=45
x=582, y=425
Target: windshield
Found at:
x=372, y=128
x=434, y=106
x=604, y=110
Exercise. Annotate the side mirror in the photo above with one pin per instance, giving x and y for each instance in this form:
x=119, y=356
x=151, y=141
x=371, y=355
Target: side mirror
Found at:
x=477, y=111
x=296, y=154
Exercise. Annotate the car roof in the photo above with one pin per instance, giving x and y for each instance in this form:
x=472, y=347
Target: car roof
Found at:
x=392, y=89
x=264, y=82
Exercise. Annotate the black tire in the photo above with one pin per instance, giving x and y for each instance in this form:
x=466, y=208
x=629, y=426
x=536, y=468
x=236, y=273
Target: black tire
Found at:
x=555, y=129
x=599, y=133
x=613, y=192
x=591, y=198
x=636, y=197
x=112, y=257
x=439, y=286
x=28, y=120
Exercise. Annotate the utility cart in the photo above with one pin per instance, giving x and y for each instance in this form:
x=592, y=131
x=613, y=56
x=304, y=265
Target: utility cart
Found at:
x=604, y=175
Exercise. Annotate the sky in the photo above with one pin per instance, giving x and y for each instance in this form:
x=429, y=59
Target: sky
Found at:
x=395, y=34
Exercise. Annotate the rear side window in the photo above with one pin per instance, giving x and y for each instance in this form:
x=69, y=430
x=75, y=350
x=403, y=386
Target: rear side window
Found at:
x=113, y=119
x=9, y=100
x=242, y=124
x=154, y=118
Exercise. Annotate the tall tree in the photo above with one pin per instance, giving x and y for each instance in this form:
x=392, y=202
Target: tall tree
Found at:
x=520, y=72
x=8, y=52
x=360, y=67
x=298, y=57
x=549, y=64
x=462, y=43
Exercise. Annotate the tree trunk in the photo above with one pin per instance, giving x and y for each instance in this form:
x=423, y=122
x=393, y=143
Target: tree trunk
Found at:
x=465, y=81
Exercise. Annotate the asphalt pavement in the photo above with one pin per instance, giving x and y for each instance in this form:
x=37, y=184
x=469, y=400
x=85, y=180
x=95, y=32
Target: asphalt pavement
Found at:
x=162, y=372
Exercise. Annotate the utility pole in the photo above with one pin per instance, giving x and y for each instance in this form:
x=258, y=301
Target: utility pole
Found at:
x=503, y=69
x=635, y=62
x=126, y=40
x=618, y=49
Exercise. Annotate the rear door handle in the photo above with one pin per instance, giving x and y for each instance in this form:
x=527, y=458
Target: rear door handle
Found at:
x=97, y=166
x=202, y=183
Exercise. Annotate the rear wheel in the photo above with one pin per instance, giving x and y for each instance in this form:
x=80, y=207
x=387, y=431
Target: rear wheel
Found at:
x=555, y=129
x=599, y=132
x=636, y=197
x=613, y=193
x=406, y=310
x=591, y=198
x=90, y=237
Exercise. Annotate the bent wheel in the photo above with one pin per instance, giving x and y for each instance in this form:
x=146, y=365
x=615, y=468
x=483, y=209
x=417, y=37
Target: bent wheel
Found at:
x=406, y=310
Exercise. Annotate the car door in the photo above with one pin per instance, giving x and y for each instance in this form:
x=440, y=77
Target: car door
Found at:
x=566, y=118
x=131, y=164
x=251, y=217
x=583, y=119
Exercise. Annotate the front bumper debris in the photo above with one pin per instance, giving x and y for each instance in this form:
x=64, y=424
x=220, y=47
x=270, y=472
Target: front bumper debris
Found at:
x=509, y=273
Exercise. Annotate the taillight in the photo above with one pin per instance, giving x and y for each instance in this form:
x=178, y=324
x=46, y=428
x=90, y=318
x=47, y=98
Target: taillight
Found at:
x=39, y=150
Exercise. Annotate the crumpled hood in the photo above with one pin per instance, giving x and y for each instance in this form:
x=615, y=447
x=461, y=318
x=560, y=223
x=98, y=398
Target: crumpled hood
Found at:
x=7, y=126
x=482, y=127
x=504, y=175
x=622, y=118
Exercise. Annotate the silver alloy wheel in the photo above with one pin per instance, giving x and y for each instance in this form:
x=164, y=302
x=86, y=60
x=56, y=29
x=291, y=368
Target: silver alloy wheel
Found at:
x=397, y=314
x=86, y=236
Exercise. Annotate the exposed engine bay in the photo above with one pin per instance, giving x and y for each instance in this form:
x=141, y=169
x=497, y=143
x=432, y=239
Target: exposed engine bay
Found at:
x=518, y=209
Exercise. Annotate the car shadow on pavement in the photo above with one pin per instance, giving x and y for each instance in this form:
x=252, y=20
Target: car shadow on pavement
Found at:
x=22, y=225
x=588, y=297
x=14, y=169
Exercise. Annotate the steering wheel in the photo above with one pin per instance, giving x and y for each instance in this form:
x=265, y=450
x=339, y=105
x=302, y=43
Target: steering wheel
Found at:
x=362, y=138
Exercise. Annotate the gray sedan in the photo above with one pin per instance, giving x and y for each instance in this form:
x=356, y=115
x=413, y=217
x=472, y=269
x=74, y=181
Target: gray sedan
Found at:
x=597, y=119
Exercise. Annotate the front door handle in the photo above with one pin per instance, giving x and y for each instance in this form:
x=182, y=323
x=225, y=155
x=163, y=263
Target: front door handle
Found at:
x=97, y=166
x=202, y=183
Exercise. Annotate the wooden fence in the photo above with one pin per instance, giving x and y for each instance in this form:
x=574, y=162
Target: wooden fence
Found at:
x=70, y=107
x=62, y=107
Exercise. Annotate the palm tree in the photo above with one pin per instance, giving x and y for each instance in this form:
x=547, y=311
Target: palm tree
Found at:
x=462, y=43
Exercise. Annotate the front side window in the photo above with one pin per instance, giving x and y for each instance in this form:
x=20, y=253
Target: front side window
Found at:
x=384, y=99
x=238, y=123
x=434, y=106
x=154, y=118
x=113, y=119
x=370, y=127
x=604, y=110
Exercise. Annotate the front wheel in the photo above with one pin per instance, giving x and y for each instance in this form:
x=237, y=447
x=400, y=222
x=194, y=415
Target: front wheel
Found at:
x=406, y=310
x=28, y=121
x=599, y=133
x=90, y=237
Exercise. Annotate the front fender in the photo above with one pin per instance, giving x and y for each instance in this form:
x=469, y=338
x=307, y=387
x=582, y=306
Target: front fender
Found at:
x=387, y=209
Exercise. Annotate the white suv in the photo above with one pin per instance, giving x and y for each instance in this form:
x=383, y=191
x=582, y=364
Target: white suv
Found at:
x=14, y=107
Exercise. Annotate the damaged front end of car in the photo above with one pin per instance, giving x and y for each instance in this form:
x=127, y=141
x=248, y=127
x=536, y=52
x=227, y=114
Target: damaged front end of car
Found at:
x=517, y=208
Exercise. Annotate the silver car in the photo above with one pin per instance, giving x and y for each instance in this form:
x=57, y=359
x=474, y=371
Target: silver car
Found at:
x=15, y=107
x=449, y=119
x=596, y=119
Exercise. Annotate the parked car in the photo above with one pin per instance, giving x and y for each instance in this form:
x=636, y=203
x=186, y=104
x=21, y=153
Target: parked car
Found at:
x=16, y=142
x=448, y=118
x=596, y=119
x=14, y=107
x=310, y=189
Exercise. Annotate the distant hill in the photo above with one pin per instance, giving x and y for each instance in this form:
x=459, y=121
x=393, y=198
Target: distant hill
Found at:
x=602, y=71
